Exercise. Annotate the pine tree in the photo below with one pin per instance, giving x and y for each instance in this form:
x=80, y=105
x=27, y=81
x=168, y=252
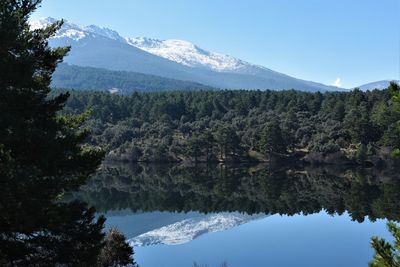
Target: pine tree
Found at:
x=116, y=251
x=394, y=89
x=195, y=145
x=228, y=142
x=41, y=153
x=386, y=254
x=207, y=140
x=272, y=140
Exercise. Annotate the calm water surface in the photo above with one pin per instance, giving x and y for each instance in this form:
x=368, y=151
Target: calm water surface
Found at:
x=247, y=215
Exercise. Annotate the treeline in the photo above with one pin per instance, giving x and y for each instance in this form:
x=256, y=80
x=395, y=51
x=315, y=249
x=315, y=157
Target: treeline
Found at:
x=240, y=125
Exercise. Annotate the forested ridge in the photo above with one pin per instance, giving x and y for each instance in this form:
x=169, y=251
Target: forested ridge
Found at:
x=125, y=82
x=240, y=125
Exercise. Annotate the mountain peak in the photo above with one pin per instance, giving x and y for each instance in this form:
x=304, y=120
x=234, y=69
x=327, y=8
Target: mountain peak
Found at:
x=187, y=53
x=75, y=31
x=105, y=32
x=68, y=30
x=41, y=22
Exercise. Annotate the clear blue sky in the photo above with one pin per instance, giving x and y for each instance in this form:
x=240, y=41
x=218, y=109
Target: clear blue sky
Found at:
x=357, y=41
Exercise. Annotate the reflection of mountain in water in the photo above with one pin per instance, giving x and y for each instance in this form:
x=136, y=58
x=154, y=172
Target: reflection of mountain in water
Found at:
x=136, y=223
x=191, y=227
x=252, y=190
x=171, y=228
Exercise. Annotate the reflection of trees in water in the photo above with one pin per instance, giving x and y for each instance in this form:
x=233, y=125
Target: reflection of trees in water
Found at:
x=246, y=189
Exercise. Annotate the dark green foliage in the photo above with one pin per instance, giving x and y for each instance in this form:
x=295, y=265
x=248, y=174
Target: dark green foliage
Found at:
x=392, y=136
x=395, y=133
x=228, y=142
x=361, y=128
x=386, y=254
x=42, y=154
x=361, y=153
x=201, y=146
x=87, y=78
x=174, y=122
x=272, y=140
x=195, y=146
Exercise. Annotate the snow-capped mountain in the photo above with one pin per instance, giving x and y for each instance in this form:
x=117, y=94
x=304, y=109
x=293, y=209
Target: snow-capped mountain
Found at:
x=76, y=32
x=69, y=31
x=376, y=85
x=180, y=51
x=171, y=228
x=188, y=54
x=94, y=46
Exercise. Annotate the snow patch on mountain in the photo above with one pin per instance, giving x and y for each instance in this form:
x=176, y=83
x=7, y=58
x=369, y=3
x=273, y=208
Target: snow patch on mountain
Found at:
x=188, y=54
x=75, y=31
x=105, y=32
x=68, y=30
x=71, y=33
x=188, y=229
x=41, y=23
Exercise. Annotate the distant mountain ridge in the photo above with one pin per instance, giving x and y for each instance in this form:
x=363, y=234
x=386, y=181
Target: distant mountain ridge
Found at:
x=94, y=46
x=380, y=85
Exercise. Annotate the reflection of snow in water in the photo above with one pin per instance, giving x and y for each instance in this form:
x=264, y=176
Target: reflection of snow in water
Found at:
x=190, y=228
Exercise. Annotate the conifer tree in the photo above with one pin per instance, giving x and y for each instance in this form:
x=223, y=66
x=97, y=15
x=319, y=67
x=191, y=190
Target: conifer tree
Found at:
x=42, y=154
x=116, y=251
x=387, y=254
x=228, y=142
x=272, y=140
x=394, y=89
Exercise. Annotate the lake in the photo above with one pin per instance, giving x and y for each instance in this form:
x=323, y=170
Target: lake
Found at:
x=177, y=215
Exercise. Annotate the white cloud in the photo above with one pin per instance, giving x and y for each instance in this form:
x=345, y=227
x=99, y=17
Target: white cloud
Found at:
x=337, y=82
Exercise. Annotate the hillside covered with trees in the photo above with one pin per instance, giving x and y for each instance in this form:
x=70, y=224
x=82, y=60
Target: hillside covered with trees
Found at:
x=225, y=126
x=87, y=78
